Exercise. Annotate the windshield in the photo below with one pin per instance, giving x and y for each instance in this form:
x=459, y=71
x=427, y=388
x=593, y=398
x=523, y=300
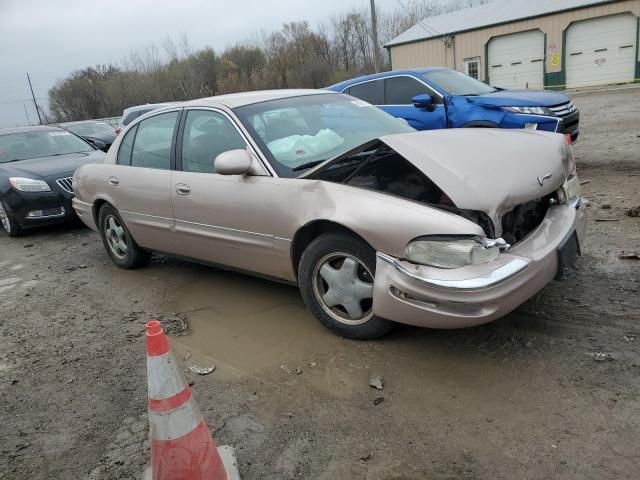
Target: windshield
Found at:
x=91, y=129
x=25, y=145
x=457, y=83
x=298, y=133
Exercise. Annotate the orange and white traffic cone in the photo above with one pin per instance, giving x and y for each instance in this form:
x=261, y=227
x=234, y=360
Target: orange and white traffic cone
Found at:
x=181, y=445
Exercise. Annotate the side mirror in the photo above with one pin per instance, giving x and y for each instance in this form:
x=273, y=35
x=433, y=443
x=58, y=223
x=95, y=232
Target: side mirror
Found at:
x=100, y=145
x=233, y=162
x=424, y=101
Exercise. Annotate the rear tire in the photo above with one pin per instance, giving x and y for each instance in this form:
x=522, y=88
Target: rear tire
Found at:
x=8, y=222
x=117, y=240
x=336, y=275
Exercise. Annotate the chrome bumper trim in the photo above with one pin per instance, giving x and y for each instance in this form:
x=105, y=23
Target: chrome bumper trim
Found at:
x=491, y=279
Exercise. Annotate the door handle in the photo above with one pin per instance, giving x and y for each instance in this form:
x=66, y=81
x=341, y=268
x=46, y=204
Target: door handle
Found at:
x=182, y=189
x=114, y=181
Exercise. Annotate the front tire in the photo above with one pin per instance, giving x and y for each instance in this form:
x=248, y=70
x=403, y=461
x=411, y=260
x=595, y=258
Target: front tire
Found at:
x=118, y=242
x=8, y=222
x=336, y=276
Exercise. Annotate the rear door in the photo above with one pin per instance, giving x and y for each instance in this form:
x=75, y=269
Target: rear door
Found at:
x=220, y=218
x=140, y=183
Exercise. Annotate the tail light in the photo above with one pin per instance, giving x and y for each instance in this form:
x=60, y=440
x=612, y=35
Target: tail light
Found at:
x=566, y=135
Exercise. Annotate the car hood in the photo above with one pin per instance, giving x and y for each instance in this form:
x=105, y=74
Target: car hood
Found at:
x=489, y=170
x=49, y=166
x=520, y=98
x=107, y=138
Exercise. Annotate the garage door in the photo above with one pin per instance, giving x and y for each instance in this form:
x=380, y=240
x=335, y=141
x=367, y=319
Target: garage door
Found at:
x=517, y=60
x=601, y=50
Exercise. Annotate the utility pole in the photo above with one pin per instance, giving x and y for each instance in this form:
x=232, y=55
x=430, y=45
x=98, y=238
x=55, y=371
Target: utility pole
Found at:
x=34, y=100
x=374, y=35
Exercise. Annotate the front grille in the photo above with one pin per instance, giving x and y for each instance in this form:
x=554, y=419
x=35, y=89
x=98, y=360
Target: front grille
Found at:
x=563, y=110
x=66, y=184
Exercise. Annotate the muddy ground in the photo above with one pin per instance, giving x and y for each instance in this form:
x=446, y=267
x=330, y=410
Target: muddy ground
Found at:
x=520, y=398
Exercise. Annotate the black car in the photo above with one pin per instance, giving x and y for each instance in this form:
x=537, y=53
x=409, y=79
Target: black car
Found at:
x=36, y=169
x=99, y=134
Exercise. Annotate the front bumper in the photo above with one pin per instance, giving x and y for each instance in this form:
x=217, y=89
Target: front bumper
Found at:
x=464, y=297
x=31, y=209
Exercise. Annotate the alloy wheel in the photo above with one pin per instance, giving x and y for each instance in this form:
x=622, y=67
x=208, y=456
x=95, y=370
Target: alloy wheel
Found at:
x=343, y=285
x=4, y=218
x=115, y=237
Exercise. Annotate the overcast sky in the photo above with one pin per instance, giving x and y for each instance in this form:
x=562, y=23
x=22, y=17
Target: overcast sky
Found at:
x=51, y=38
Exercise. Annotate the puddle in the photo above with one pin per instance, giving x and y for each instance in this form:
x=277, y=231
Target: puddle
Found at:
x=247, y=323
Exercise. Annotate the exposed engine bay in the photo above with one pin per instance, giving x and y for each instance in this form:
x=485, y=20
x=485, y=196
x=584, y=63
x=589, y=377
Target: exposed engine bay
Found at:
x=379, y=167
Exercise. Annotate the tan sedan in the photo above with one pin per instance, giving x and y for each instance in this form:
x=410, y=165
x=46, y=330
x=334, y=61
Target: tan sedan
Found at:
x=375, y=222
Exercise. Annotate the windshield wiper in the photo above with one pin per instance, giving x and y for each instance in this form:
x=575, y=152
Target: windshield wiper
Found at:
x=306, y=166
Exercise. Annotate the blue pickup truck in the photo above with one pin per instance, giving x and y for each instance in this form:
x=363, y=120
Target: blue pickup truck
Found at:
x=433, y=98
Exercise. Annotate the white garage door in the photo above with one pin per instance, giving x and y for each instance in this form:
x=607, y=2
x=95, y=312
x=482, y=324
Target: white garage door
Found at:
x=517, y=60
x=601, y=50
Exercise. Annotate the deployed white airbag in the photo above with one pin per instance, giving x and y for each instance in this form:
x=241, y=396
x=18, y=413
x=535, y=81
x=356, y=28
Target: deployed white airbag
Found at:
x=297, y=149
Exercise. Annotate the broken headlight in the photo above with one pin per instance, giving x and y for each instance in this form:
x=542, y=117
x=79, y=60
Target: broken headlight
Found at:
x=453, y=252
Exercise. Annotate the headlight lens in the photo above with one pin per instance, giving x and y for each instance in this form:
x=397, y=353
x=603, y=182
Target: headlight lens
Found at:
x=529, y=110
x=29, y=184
x=451, y=252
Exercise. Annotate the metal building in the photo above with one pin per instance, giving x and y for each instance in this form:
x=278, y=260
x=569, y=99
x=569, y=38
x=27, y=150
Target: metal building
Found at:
x=530, y=43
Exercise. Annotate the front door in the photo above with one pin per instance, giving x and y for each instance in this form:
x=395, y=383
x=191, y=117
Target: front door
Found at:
x=398, y=92
x=140, y=182
x=221, y=219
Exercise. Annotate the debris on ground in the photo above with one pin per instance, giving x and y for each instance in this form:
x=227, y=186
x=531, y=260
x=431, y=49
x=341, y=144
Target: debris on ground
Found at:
x=605, y=206
x=629, y=256
x=366, y=457
x=176, y=325
x=298, y=371
x=633, y=212
x=585, y=182
x=376, y=382
x=28, y=245
x=607, y=220
x=286, y=369
x=201, y=370
x=602, y=357
x=629, y=338
x=378, y=401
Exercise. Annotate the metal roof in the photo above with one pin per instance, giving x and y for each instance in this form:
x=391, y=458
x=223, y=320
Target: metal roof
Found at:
x=492, y=13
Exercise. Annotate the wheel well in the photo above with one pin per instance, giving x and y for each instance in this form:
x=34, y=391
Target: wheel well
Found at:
x=97, y=205
x=305, y=235
x=480, y=124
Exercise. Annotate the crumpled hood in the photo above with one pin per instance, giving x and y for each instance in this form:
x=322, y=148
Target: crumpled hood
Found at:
x=489, y=170
x=520, y=98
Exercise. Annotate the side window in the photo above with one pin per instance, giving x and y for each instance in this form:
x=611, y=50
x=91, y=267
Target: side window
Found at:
x=371, y=92
x=207, y=134
x=152, y=146
x=400, y=90
x=130, y=117
x=126, y=146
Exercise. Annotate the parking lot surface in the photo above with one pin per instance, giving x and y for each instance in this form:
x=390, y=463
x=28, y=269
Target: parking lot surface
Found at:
x=523, y=397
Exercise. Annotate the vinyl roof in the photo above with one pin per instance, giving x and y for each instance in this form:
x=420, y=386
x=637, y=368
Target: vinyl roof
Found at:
x=493, y=13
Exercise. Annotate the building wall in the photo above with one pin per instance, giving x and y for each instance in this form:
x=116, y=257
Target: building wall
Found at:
x=435, y=52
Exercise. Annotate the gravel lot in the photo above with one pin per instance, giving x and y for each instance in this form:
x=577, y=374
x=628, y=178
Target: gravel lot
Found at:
x=520, y=398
